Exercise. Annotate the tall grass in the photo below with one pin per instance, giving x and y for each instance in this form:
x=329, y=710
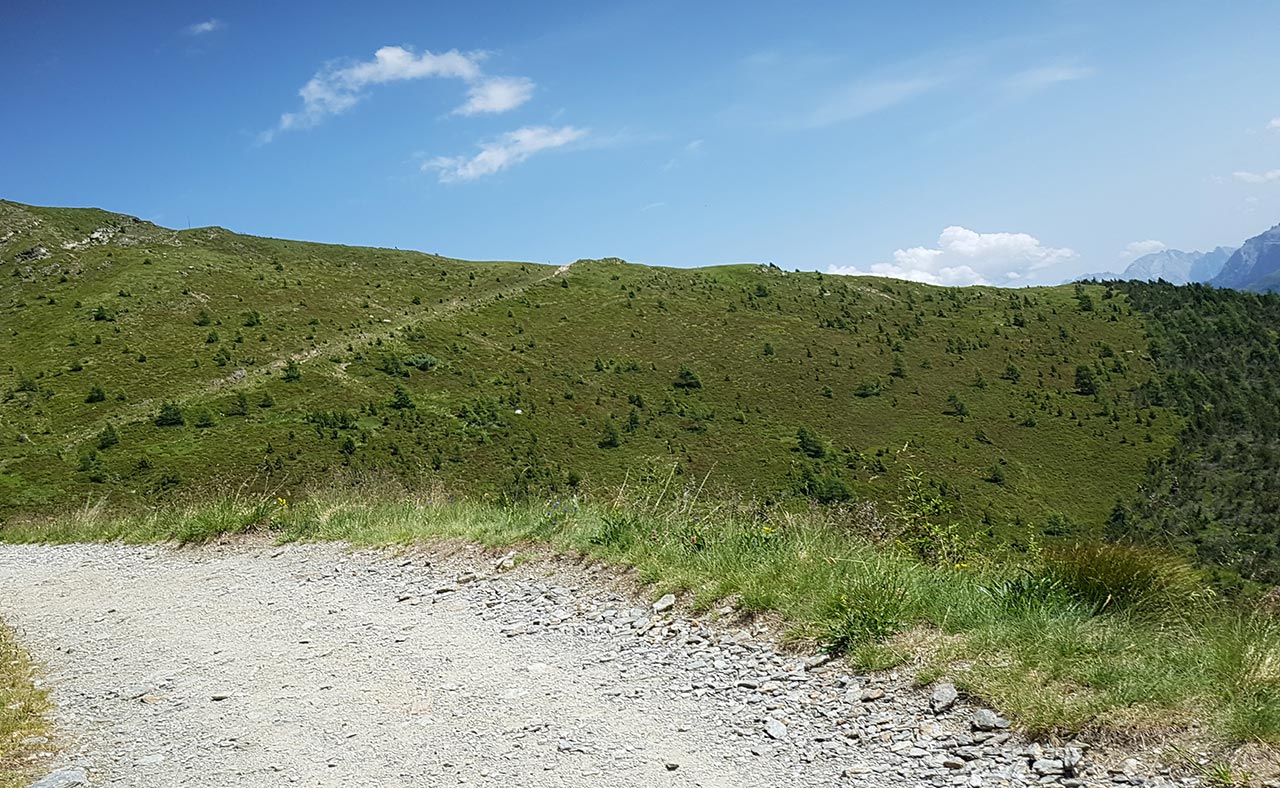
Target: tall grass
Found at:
x=1089, y=638
x=22, y=708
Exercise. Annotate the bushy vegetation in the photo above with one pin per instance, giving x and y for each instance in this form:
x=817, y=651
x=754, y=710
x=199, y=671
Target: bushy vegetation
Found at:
x=1091, y=637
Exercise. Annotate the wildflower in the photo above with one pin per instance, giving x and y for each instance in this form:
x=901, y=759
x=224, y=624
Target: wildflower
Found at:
x=282, y=502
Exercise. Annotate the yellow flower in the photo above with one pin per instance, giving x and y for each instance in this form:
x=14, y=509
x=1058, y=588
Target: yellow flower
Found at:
x=282, y=502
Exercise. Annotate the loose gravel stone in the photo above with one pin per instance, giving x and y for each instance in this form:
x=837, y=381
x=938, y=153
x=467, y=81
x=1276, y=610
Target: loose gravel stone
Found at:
x=665, y=603
x=63, y=778
x=988, y=720
x=943, y=698
x=775, y=728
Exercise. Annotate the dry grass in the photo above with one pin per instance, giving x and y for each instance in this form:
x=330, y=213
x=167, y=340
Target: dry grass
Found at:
x=22, y=707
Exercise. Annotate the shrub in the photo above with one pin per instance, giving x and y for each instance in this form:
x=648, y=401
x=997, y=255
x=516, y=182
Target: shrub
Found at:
x=108, y=437
x=868, y=388
x=810, y=443
x=96, y=394
x=1085, y=383
x=401, y=400
x=924, y=524
x=391, y=364
x=292, y=372
x=825, y=488
x=170, y=415
x=424, y=362
x=610, y=438
x=687, y=379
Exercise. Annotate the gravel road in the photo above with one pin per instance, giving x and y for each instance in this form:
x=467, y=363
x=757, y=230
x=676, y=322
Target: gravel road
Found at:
x=316, y=665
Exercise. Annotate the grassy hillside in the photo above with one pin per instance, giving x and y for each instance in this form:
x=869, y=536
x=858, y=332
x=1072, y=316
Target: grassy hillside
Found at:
x=286, y=361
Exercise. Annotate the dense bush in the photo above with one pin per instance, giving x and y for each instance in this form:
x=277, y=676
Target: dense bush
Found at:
x=170, y=415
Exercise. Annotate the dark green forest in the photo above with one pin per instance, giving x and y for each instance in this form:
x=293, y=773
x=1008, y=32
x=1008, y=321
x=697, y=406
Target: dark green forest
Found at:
x=1216, y=493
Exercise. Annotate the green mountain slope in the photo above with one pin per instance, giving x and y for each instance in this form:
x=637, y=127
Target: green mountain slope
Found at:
x=289, y=362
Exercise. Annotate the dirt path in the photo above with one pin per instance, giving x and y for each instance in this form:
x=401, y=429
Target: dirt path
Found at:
x=317, y=666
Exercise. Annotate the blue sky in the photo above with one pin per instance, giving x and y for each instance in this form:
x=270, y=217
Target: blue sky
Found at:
x=1008, y=143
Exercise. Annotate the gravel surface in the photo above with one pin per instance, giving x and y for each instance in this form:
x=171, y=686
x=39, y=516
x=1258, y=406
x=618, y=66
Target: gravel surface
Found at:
x=316, y=665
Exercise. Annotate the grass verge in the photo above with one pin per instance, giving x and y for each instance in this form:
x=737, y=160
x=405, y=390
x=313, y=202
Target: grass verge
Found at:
x=1105, y=640
x=22, y=708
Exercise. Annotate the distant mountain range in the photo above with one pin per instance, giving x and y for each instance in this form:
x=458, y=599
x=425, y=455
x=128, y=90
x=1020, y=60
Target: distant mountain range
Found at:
x=1254, y=266
x=1172, y=265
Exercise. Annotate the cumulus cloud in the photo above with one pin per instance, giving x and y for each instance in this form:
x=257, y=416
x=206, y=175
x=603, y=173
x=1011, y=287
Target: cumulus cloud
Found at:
x=965, y=257
x=1257, y=177
x=1034, y=80
x=339, y=87
x=496, y=94
x=1140, y=248
x=506, y=151
x=1274, y=124
x=207, y=26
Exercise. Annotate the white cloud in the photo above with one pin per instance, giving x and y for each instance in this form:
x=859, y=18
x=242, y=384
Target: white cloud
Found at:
x=496, y=94
x=866, y=97
x=1257, y=177
x=693, y=146
x=1140, y=248
x=965, y=257
x=507, y=151
x=339, y=87
x=1274, y=124
x=1033, y=80
x=207, y=26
